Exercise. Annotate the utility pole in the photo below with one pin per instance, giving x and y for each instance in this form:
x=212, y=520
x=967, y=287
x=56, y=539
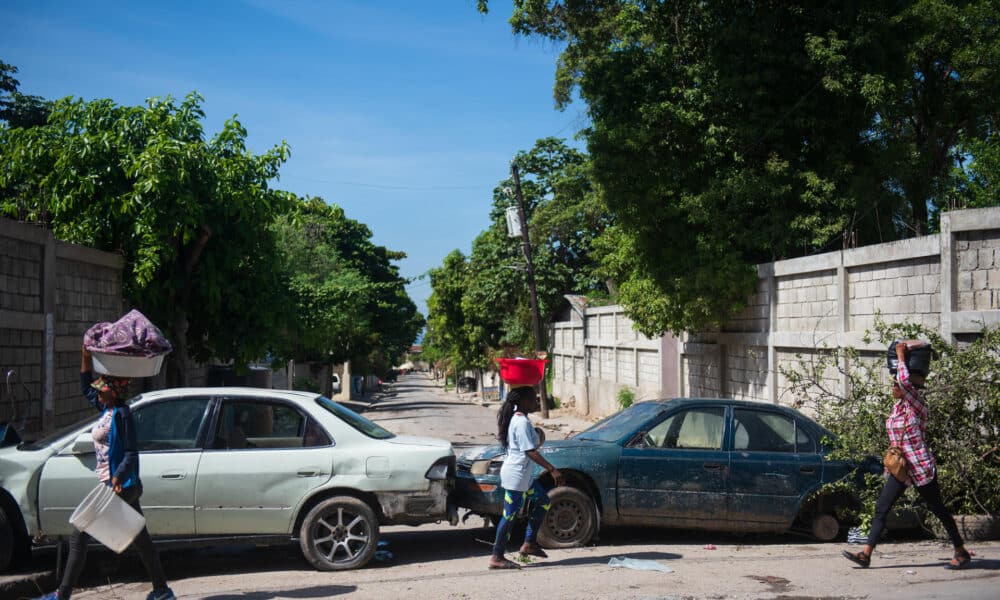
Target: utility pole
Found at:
x=536, y=326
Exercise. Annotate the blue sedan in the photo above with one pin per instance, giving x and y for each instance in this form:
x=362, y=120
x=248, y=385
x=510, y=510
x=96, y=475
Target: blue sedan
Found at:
x=724, y=465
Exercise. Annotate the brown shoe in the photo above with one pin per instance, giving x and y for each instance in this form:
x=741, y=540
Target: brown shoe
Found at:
x=858, y=558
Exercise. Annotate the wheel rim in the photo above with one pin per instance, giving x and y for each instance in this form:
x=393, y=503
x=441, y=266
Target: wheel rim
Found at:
x=566, y=520
x=340, y=535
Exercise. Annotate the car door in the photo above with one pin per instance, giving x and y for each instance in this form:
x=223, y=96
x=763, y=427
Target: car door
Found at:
x=264, y=457
x=675, y=472
x=774, y=464
x=169, y=434
x=167, y=437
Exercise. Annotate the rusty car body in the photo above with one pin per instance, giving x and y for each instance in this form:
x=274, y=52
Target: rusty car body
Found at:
x=724, y=465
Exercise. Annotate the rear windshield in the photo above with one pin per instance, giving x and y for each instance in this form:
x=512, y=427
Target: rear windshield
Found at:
x=355, y=420
x=621, y=424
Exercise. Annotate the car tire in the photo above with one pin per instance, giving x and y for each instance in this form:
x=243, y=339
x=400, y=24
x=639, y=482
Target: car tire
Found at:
x=339, y=533
x=572, y=519
x=825, y=527
x=6, y=542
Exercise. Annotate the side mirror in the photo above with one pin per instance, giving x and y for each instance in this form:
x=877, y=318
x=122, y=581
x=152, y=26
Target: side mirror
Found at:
x=83, y=444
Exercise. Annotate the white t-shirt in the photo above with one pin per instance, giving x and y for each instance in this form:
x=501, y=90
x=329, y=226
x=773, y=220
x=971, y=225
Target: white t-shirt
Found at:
x=515, y=474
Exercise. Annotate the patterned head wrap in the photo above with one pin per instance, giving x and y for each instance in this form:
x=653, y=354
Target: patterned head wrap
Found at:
x=110, y=383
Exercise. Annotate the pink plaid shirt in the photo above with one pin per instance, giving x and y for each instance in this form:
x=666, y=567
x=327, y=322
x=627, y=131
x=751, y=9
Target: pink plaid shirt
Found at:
x=906, y=425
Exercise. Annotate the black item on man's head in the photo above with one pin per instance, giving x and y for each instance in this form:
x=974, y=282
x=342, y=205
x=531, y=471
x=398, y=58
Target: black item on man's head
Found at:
x=918, y=360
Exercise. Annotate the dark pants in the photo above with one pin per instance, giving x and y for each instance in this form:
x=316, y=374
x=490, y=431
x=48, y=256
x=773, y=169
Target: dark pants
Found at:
x=512, y=503
x=143, y=544
x=931, y=493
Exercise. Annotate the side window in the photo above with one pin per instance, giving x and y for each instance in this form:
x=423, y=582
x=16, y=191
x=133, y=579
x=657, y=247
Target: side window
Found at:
x=803, y=441
x=758, y=431
x=696, y=428
x=260, y=424
x=170, y=425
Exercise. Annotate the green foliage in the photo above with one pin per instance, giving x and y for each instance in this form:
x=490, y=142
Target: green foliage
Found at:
x=626, y=397
x=962, y=393
x=305, y=384
x=480, y=305
x=229, y=268
x=190, y=216
x=17, y=109
x=725, y=134
x=350, y=302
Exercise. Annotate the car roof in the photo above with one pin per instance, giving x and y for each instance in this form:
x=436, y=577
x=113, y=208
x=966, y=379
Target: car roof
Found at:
x=229, y=391
x=672, y=402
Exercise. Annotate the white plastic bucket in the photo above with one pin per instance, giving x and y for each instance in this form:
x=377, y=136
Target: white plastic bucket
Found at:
x=120, y=365
x=108, y=518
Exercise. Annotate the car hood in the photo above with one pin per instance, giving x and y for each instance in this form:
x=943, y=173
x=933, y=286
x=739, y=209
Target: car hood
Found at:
x=413, y=440
x=495, y=450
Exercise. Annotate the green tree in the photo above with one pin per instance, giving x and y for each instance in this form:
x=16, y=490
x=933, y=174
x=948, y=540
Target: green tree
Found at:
x=190, y=216
x=724, y=134
x=17, y=109
x=565, y=216
x=349, y=300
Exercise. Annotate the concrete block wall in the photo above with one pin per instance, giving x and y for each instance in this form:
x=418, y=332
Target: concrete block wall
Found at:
x=597, y=354
x=949, y=282
x=978, y=258
x=50, y=293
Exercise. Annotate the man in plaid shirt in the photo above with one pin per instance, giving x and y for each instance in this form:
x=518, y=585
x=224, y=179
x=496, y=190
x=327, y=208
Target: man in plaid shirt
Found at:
x=906, y=426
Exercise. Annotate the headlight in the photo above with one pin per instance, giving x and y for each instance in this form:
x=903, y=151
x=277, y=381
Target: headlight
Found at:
x=443, y=468
x=486, y=466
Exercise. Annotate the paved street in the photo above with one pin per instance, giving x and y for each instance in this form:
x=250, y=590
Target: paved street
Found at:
x=440, y=561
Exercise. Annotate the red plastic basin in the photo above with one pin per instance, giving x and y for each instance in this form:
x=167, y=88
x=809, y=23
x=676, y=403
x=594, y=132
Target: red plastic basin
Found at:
x=521, y=371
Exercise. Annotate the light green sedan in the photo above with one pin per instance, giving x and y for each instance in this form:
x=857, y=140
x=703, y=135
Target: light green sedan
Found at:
x=240, y=465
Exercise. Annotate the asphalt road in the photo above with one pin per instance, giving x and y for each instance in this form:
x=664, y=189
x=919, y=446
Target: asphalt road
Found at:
x=441, y=561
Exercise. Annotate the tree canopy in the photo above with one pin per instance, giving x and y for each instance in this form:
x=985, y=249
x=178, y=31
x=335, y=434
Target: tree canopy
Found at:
x=350, y=300
x=18, y=109
x=479, y=305
x=725, y=134
x=229, y=267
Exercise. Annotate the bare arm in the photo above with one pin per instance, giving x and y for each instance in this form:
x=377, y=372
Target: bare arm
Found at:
x=540, y=460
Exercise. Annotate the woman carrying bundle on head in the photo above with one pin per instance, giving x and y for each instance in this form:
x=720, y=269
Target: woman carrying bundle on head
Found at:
x=521, y=440
x=906, y=427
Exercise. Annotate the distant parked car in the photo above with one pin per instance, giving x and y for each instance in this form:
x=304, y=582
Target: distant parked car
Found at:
x=243, y=465
x=335, y=383
x=724, y=465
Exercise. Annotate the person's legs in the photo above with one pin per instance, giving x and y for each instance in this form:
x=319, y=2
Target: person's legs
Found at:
x=512, y=502
x=538, y=494
x=891, y=492
x=143, y=545
x=931, y=493
x=74, y=564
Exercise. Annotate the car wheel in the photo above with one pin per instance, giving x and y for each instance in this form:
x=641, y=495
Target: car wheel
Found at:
x=6, y=542
x=571, y=521
x=339, y=533
x=825, y=527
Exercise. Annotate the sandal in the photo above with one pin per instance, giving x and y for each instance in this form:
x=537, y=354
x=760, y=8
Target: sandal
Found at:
x=506, y=564
x=533, y=551
x=859, y=558
x=961, y=560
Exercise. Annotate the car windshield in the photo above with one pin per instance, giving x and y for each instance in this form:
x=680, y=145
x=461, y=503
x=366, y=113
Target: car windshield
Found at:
x=621, y=424
x=355, y=420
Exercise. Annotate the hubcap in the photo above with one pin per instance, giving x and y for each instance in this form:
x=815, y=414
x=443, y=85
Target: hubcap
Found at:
x=565, y=520
x=340, y=535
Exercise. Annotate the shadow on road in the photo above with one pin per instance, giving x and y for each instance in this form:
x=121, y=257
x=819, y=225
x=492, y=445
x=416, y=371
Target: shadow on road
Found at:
x=319, y=591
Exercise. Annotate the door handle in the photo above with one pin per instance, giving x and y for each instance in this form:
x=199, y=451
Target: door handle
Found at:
x=713, y=466
x=807, y=469
x=173, y=475
x=308, y=473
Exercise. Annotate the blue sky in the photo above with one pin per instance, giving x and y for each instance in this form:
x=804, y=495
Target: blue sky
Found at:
x=405, y=113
